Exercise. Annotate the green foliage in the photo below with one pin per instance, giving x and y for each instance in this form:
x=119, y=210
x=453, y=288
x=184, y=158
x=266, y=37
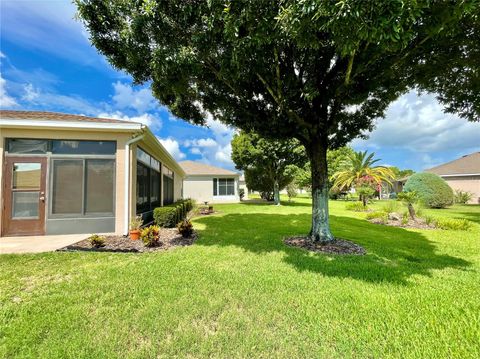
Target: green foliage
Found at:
x=432, y=190
x=405, y=216
x=408, y=197
x=150, y=236
x=391, y=207
x=169, y=216
x=357, y=167
x=380, y=215
x=136, y=223
x=462, y=197
x=398, y=173
x=356, y=207
x=96, y=240
x=165, y=216
x=185, y=228
x=455, y=224
x=266, y=162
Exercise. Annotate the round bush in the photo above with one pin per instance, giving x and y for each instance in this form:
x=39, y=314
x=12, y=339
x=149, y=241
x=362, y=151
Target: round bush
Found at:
x=432, y=190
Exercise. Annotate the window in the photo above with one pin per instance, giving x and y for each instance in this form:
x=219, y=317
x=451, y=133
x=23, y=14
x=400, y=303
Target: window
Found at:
x=83, y=186
x=223, y=187
x=68, y=147
x=168, y=180
x=15, y=145
x=148, y=182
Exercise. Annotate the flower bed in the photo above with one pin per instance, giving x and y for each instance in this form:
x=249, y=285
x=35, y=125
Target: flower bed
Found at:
x=168, y=238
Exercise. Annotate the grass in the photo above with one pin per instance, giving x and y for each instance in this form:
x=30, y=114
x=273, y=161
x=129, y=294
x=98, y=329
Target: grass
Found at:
x=240, y=292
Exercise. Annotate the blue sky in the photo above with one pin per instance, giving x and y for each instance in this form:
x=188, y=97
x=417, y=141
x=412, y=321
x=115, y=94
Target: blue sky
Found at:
x=47, y=63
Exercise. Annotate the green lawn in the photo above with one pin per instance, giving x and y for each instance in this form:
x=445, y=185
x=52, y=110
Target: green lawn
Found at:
x=240, y=292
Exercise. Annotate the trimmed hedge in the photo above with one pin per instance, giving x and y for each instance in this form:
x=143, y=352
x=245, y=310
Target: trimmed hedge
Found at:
x=432, y=190
x=169, y=216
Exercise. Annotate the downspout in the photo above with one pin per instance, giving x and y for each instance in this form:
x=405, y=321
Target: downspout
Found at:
x=127, y=180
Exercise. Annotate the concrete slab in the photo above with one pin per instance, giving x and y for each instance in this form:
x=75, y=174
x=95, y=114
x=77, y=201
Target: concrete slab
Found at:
x=38, y=244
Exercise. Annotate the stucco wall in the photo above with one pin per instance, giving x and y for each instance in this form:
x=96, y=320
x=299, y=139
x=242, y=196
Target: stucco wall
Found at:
x=468, y=183
x=200, y=188
x=76, y=134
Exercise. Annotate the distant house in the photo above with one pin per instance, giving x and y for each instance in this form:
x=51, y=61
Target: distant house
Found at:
x=205, y=183
x=65, y=174
x=462, y=174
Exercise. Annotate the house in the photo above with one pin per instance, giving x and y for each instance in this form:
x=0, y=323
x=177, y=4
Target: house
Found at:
x=462, y=174
x=66, y=174
x=205, y=183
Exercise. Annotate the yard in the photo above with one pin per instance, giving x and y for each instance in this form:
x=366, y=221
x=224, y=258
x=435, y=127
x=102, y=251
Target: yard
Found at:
x=240, y=292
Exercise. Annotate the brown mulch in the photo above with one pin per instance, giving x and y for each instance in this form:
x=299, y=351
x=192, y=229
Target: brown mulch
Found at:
x=169, y=238
x=419, y=223
x=339, y=246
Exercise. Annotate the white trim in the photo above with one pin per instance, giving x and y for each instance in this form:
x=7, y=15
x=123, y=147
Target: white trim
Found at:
x=461, y=175
x=70, y=124
x=127, y=181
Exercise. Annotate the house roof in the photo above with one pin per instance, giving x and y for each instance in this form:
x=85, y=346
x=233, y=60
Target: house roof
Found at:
x=193, y=168
x=54, y=116
x=466, y=165
x=47, y=120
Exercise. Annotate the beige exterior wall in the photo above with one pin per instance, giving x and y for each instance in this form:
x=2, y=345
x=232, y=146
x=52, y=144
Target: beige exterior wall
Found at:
x=77, y=134
x=466, y=183
x=243, y=185
x=200, y=188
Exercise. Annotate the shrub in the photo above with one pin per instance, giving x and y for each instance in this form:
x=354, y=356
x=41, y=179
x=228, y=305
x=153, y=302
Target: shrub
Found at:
x=409, y=199
x=381, y=215
x=292, y=191
x=463, y=197
x=405, y=218
x=165, y=216
x=136, y=223
x=185, y=228
x=453, y=224
x=151, y=236
x=432, y=190
x=356, y=207
x=96, y=240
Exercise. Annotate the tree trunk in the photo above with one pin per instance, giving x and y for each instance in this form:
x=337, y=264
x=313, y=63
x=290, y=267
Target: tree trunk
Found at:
x=320, y=231
x=411, y=211
x=276, y=193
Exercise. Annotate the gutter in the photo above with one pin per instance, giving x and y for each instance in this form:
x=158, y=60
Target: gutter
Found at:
x=126, y=216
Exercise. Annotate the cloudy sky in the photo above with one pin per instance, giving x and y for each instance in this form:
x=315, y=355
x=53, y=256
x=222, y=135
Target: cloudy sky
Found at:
x=47, y=63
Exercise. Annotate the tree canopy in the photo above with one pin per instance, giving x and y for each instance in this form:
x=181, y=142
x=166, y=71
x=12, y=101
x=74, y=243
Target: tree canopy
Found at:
x=318, y=71
x=269, y=165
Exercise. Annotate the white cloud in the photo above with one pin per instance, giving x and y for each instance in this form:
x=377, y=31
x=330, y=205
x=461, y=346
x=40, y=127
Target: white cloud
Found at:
x=127, y=97
x=2, y=55
x=5, y=99
x=146, y=118
x=173, y=147
x=31, y=93
x=202, y=142
x=418, y=124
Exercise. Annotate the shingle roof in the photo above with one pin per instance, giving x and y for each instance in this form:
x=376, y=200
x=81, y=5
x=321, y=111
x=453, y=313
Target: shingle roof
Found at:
x=54, y=116
x=197, y=168
x=468, y=164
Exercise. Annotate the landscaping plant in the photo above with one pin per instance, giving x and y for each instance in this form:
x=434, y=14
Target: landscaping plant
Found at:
x=151, y=236
x=292, y=191
x=96, y=241
x=319, y=72
x=409, y=198
x=432, y=190
x=135, y=225
x=462, y=197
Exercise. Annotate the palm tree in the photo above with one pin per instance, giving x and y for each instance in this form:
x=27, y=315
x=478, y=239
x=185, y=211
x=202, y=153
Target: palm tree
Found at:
x=358, y=169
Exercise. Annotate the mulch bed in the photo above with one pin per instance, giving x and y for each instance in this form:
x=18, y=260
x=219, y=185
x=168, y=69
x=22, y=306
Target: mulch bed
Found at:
x=339, y=246
x=419, y=223
x=169, y=238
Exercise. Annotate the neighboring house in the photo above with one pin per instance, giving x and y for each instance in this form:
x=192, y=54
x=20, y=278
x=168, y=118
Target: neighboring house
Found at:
x=462, y=174
x=205, y=183
x=65, y=174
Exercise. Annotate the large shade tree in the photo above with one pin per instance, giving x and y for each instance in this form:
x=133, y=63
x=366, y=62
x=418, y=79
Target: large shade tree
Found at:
x=269, y=165
x=318, y=71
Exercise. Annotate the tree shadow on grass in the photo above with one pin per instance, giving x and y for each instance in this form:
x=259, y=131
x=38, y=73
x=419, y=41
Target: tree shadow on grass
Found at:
x=393, y=254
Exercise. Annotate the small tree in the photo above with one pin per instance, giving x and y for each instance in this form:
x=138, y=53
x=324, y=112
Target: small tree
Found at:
x=409, y=198
x=292, y=191
x=271, y=162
